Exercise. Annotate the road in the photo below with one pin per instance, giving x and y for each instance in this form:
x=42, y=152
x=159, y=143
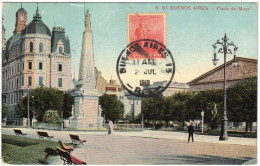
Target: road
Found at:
x=103, y=149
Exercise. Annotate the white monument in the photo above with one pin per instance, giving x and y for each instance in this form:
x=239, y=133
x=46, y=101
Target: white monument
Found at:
x=86, y=113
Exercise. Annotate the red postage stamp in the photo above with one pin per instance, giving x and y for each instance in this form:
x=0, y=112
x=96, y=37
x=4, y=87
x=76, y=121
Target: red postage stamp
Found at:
x=146, y=26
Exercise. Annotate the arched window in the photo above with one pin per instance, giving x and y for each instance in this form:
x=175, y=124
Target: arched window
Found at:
x=60, y=50
x=31, y=47
x=40, y=47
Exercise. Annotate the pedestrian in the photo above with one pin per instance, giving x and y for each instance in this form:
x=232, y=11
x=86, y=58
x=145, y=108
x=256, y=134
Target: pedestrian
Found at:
x=110, y=127
x=191, y=131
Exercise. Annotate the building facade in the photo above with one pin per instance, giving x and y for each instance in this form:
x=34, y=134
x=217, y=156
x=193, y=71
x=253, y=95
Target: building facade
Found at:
x=173, y=88
x=33, y=57
x=246, y=69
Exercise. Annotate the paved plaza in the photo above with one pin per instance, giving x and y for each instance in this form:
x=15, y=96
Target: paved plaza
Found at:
x=152, y=147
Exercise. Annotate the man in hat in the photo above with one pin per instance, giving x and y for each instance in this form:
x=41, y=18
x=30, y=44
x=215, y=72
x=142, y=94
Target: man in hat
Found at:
x=191, y=131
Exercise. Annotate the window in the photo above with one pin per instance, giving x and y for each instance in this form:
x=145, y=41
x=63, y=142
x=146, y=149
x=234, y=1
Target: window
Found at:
x=31, y=47
x=40, y=81
x=60, y=67
x=29, y=81
x=17, y=83
x=40, y=47
x=59, y=82
x=30, y=65
x=23, y=65
x=60, y=50
x=40, y=66
x=22, y=81
x=18, y=69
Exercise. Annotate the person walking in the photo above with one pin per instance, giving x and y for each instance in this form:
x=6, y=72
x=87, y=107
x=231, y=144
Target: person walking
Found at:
x=191, y=131
x=110, y=127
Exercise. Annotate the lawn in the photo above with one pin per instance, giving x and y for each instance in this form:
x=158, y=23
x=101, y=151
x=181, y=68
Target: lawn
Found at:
x=23, y=150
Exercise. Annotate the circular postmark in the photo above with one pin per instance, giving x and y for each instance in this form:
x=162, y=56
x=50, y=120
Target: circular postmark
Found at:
x=145, y=68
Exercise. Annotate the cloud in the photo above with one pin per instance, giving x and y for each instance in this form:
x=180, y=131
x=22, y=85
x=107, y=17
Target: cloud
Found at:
x=76, y=4
x=43, y=12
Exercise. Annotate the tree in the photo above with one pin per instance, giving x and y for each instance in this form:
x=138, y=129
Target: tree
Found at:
x=211, y=102
x=215, y=115
x=5, y=111
x=242, y=106
x=129, y=117
x=41, y=100
x=68, y=101
x=183, y=107
x=112, y=108
x=51, y=116
x=152, y=108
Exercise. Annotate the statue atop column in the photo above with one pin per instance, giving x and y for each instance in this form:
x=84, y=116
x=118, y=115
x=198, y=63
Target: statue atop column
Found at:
x=87, y=21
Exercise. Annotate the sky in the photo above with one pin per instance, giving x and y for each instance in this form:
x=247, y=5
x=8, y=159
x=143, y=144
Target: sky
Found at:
x=189, y=33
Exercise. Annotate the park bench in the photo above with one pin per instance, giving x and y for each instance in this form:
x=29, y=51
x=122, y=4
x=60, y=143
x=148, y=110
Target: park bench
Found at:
x=75, y=139
x=65, y=147
x=43, y=134
x=68, y=158
x=19, y=132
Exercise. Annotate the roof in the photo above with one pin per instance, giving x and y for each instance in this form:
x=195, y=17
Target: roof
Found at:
x=16, y=37
x=59, y=34
x=22, y=10
x=36, y=26
x=221, y=67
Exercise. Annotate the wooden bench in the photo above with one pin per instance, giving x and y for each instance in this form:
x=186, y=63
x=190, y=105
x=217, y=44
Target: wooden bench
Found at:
x=65, y=147
x=19, y=132
x=43, y=134
x=68, y=158
x=75, y=139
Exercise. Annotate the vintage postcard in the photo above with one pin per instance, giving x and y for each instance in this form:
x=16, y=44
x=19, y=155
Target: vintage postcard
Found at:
x=129, y=83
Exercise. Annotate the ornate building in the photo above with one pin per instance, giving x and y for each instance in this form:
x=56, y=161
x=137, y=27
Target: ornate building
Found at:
x=246, y=69
x=33, y=57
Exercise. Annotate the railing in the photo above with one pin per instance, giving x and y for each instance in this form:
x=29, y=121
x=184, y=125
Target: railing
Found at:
x=43, y=126
x=135, y=127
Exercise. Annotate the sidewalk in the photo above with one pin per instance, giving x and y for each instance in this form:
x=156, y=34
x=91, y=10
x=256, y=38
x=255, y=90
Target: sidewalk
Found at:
x=63, y=135
x=184, y=137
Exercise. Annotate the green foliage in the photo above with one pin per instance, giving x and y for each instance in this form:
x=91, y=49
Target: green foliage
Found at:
x=24, y=150
x=68, y=101
x=215, y=116
x=129, y=117
x=242, y=101
x=185, y=106
x=112, y=108
x=43, y=99
x=152, y=108
x=5, y=111
x=51, y=116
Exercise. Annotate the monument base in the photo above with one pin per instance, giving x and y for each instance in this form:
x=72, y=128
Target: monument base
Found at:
x=88, y=116
x=84, y=123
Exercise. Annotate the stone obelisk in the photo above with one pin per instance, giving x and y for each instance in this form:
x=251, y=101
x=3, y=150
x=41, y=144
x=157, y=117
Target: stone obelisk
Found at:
x=86, y=112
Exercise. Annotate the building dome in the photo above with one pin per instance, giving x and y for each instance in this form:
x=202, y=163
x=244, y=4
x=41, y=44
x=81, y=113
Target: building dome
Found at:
x=36, y=26
x=22, y=10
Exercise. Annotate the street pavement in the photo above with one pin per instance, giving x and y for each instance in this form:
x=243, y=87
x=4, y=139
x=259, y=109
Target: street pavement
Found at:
x=152, y=147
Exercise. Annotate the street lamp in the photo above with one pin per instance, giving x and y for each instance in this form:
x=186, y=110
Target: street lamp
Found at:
x=202, y=118
x=28, y=113
x=28, y=117
x=224, y=48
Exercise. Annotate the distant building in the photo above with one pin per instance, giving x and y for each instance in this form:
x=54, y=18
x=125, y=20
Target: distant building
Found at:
x=101, y=82
x=173, y=88
x=113, y=88
x=213, y=79
x=33, y=57
x=132, y=104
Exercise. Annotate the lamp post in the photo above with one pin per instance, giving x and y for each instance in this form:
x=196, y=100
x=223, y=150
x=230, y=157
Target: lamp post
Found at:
x=224, y=48
x=28, y=117
x=202, y=118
